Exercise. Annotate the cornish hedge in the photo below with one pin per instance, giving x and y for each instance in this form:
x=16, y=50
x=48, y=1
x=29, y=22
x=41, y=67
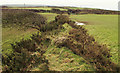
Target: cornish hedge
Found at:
x=82, y=44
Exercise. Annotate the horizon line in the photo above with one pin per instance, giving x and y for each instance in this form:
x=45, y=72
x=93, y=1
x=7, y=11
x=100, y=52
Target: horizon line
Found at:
x=34, y=5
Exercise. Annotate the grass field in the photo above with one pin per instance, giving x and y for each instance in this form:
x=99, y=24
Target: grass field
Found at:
x=49, y=16
x=75, y=8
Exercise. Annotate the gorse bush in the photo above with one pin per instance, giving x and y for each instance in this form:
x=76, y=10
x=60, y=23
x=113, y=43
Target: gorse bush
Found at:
x=22, y=18
x=27, y=54
x=61, y=19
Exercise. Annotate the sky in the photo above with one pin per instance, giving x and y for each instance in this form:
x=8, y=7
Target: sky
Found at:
x=102, y=4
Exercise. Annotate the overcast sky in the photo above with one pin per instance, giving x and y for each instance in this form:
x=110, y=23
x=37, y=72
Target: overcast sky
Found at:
x=103, y=4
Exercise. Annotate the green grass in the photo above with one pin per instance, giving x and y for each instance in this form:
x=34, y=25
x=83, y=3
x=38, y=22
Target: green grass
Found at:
x=75, y=8
x=9, y=36
x=62, y=9
x=104, y=28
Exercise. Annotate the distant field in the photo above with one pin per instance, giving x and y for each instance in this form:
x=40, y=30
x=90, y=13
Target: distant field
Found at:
x=38, y=8
x=49, y=16
x=79, y=8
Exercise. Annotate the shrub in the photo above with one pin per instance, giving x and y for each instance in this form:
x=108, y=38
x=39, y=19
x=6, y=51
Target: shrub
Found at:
x=61, y=19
